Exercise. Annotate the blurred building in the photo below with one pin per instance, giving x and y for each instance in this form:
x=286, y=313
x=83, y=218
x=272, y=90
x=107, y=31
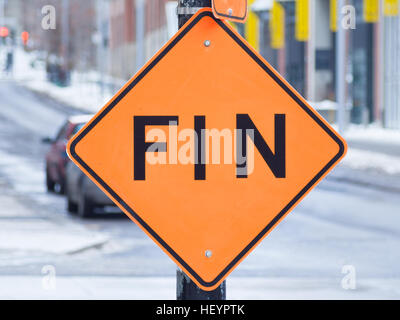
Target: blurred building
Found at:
x=309, y=64
x=11, y=11
x=72, y=41
x=114, y=37
x=298, y=37
x=138, y=28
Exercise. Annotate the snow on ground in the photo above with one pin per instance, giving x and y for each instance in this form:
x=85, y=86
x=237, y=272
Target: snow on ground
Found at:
x=368, y=160
x=164, y=288
x=84, y=93
x=373, y=133
x=35, y=232
x=45, y=236
x=373, y=148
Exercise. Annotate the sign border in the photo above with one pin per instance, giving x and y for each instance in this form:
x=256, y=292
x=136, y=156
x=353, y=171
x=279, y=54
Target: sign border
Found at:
x=227, y=16
x=71, y=148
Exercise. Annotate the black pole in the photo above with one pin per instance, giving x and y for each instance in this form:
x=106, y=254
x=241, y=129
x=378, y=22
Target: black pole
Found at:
x=186, y=289
x=187, y=8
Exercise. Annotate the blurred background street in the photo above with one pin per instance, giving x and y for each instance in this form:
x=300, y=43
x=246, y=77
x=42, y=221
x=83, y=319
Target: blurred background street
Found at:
x=59, y=237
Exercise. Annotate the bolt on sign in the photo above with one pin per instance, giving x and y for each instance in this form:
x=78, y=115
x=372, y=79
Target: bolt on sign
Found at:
x=232, y=10
x=207, y=148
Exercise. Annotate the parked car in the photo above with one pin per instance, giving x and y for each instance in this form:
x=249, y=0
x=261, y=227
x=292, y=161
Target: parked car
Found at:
x=56, y=157
x=83, y=196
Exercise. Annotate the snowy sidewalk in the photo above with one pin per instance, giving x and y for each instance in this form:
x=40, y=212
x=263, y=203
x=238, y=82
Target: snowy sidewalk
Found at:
x=84, y=93
x=164, y=288
x=26, y=229
x=373, y=158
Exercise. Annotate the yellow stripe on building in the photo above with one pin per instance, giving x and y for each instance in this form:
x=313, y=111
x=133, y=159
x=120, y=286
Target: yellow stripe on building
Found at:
x=391, y=8
x=252, y=28
x=302, y=30
x=371, y=10
x=277, y=26
x=333, y=15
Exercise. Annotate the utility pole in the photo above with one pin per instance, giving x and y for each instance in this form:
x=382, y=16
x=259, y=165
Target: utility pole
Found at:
x=65, y=39
x=340, y=69
x=379, y=47
x=140, y=33
x=65, y=29
x=187, y=8
x=186, y=289
x=100, y=38
x=311, y=52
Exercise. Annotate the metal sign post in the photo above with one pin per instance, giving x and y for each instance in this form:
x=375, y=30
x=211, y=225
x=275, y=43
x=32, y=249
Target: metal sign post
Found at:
x=186, y=289
x=187, y=8
x=341, y=69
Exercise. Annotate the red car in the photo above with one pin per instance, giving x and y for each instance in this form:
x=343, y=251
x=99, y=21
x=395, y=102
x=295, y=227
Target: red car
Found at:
x=56, y=157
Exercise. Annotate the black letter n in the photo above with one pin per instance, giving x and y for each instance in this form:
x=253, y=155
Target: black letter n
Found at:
x=276, y=161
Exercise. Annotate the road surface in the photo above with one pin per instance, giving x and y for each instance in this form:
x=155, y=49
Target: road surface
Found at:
x=341, y=242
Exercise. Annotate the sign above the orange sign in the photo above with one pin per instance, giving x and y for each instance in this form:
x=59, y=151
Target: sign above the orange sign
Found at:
x=233, y=10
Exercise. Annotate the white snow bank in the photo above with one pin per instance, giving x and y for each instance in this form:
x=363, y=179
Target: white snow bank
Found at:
x=164, y=288
x=364, y=160
x=57, y=235
x=84, y=93
x=373, y=133
x=44, y=236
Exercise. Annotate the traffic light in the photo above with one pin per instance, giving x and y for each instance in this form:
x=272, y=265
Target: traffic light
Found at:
x=4, y=32
x=25, y=37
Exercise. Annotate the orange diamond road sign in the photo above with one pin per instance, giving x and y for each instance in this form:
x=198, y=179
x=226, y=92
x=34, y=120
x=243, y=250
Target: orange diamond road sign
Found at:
x=155, y=149
x=233, y=10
